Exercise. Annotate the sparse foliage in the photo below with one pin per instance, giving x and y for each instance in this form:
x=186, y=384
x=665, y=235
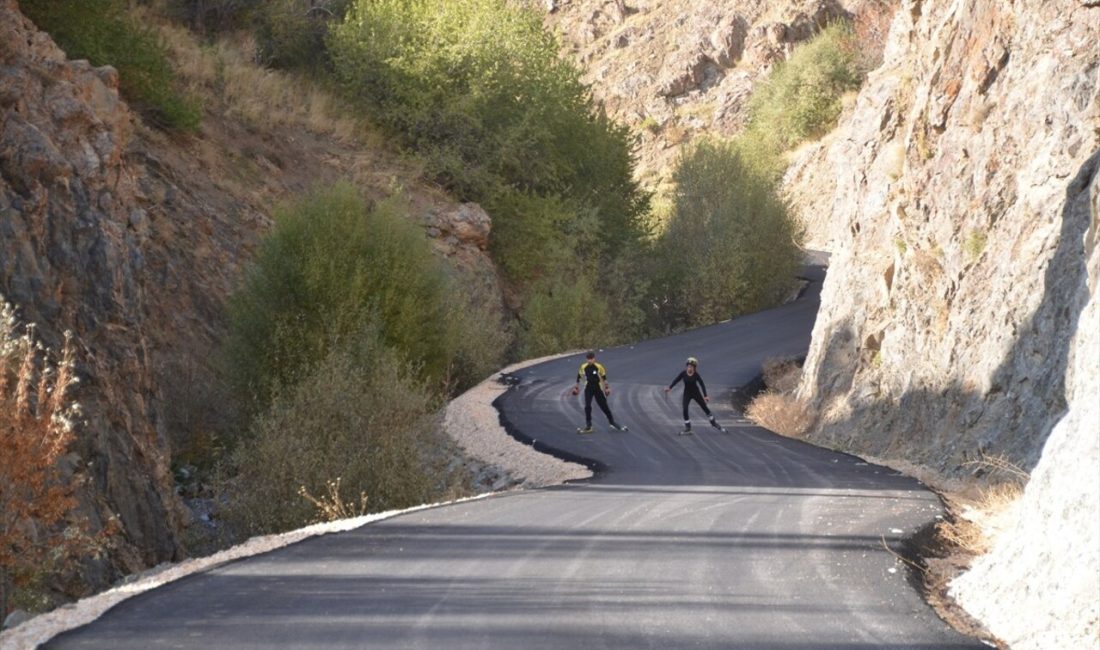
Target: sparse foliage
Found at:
x=38, y=535
x=801, y=99
x=103, y=32
x=781, y=413
x=361, y=415
x=332, y=506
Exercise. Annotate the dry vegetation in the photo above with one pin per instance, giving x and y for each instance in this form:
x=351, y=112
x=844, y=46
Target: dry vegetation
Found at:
x=38, y=534
x=777, y=408
x=226, y=70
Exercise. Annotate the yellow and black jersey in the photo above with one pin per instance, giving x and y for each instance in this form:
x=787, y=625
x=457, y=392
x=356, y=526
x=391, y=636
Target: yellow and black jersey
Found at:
x=593, y=373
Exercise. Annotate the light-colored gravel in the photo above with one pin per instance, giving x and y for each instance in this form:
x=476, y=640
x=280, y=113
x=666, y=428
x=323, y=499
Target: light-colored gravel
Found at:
x=473, y=422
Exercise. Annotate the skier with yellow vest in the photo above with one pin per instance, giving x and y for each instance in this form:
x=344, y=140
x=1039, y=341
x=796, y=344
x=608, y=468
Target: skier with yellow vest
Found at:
x=595, y=386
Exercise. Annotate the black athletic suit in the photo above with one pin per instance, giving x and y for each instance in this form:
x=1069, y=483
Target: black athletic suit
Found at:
x=694, y=389
x=594, y=375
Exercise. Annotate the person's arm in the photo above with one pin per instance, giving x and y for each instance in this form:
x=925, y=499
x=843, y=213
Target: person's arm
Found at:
x=603, y=378
x=702, y=385
x=577, y=386
x=675, y=381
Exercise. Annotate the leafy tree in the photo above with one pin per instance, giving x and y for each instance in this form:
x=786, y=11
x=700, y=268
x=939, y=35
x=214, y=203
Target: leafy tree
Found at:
x=731, y=246
x=478, y=89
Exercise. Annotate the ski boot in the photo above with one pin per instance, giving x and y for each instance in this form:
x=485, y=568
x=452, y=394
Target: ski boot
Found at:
x=686, y=431
x=714, y=423
x=618, y=427
x=587, y=429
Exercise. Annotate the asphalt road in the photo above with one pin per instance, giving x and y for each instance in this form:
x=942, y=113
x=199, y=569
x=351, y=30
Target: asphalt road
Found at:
x=715, y=540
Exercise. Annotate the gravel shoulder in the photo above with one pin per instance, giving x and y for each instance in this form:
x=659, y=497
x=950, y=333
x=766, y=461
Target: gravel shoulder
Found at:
x=474, y=423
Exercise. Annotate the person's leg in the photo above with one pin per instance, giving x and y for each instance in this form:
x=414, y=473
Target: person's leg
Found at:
x=588, y=393
x=687, y=420
x=703, y=403
x=601, y=401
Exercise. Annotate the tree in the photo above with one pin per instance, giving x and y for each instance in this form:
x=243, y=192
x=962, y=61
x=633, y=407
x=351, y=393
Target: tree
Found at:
x=731, y=246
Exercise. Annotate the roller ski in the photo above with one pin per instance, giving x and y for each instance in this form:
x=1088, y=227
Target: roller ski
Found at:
x=619, y=427
x=585, y=430
x=714, y=423
x=686, y=431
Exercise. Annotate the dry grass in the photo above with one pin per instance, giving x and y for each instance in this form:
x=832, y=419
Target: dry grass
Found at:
x=981, y=519
x=332, y=506
x=227, y=73
x=782, y=374
x=782, y=413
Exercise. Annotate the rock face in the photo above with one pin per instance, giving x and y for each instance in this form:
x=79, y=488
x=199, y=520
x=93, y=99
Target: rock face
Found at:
x=1051, y=550
x=958, y=318
x=677, y=69
x=958, y=274
x=133, y=239
x=78, y=252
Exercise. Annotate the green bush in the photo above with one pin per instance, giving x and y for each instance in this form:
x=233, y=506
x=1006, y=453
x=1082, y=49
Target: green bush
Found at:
x=333, y=264
x=103, y=32
x=477, y=89
x=731, y=246
x=801, y=99
x=564, y=313
x=360, y=417
x=213, y=16
x=290, y=34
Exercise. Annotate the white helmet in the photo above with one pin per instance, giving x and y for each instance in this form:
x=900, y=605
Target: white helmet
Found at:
x=692, y=361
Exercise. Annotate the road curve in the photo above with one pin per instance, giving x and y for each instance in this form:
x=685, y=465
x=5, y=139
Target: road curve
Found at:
x=736, y=540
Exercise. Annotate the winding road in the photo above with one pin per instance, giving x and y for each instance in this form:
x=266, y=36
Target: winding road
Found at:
x=716, y=540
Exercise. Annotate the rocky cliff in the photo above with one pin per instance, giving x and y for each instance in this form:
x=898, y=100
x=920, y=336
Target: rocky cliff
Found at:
x=678, y=69
x=958, y=318
x=133, y=238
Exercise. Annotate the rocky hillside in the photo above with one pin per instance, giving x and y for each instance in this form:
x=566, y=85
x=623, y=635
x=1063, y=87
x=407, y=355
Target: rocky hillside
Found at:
x=132, y=239
x=959, y=196
x=678, y=69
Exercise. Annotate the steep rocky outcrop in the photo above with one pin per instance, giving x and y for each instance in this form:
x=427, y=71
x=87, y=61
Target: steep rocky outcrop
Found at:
x=132, y=238
x=1039, y=587
x=958, y=319
x=83, y=249
x=678, y=69
x=958, y=273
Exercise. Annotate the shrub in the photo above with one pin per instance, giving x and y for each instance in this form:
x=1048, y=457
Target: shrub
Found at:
x=38, y=533
x=359, y=417
x=563, y=313
x=104, y=33
x=781, y=413
x=212, y=16
x=801, y=99
x=731, y=245
x=783, y=374
x=477, y=88
x=331, y=265
x=292, y=34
